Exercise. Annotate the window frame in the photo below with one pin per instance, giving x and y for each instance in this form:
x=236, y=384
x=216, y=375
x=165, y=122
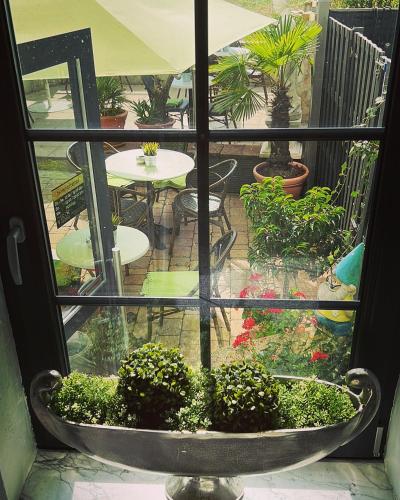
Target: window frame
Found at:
x=375, y=257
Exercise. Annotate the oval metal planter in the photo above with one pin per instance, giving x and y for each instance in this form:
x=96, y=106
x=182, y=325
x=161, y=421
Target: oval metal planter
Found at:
x=205, y=464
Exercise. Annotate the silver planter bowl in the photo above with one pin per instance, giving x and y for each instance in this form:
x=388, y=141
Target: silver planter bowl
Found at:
x=204, y=465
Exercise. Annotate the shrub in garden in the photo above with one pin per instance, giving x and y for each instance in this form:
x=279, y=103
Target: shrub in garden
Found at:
x=324, y=356
x=311, y=404
x=91, y=400
x=269, y=321
x=244, y=398
x=289, y=229
x=154, y=381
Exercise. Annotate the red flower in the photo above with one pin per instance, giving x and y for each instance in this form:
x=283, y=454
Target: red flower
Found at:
x=275, y=311
x=268, y=294
x=256, y=277
x=314, y=321
x=248, y=323
x=318, y=355
x=299, y=295
x=242, y=338
x=244, y=293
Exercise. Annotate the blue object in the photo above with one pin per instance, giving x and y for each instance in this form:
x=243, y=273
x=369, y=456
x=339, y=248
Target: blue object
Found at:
x=348, y=271
x=337, y=328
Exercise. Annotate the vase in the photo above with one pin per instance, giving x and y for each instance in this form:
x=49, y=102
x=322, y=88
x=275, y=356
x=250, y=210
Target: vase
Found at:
x=150, y=161
x=205, y=465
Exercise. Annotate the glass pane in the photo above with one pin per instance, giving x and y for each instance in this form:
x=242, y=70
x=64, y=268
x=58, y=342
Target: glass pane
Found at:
x=304, y=233
x=289, y=342
x=296, y=64
x=143, y=59
x=99, y=337
x=104, y=199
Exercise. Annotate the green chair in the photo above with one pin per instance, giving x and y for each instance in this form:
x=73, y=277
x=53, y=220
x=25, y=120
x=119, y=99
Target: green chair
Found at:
x=68, y=278
x=186, y=284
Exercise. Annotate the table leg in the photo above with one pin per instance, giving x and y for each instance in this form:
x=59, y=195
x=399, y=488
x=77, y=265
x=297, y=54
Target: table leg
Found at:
x=150, y=215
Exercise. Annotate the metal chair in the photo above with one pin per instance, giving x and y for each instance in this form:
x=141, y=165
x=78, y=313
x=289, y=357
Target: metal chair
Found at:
x=186, y=284
x=178, y=110
x=185, y=204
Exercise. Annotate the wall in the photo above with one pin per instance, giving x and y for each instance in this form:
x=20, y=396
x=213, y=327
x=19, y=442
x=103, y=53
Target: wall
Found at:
x=392, y=455
x=17, y=446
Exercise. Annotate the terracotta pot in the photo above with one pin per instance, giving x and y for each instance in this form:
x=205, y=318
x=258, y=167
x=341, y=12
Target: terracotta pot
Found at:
x=291, y=186
x=117, y=121
x=167, y=124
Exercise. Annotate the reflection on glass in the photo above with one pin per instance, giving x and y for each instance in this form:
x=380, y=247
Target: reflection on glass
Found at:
x=137, y=206
x=305, y=232
x=98, y=338
x=290, y=341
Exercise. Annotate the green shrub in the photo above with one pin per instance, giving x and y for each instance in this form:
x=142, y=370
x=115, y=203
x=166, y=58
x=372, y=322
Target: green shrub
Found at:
x=244, y=398
x=311, y=404
x=196, y=412
x=154, y=381
x=90, y=400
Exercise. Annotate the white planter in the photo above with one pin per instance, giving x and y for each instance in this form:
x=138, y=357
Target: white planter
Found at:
x=150, y=161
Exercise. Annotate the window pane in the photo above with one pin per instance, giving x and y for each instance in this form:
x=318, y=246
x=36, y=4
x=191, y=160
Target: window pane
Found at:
x=143, y=58
x=99, y=337
x=336, y=70
x=305, y=236
x=289, y=342
x=102, y=198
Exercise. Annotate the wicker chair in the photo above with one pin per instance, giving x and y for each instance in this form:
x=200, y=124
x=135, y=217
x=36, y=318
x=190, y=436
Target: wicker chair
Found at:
x=186, y=284
x=185, y=204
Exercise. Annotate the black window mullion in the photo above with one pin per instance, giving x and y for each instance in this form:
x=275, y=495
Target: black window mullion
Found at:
x=201, y=103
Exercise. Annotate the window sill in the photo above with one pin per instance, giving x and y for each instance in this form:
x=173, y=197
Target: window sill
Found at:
x=73, y=476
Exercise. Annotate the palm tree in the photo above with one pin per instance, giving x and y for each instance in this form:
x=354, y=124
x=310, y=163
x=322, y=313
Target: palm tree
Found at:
x=277, y=51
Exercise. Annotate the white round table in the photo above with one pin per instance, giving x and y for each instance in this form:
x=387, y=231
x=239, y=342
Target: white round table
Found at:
x=169, y=164
x=75, y=248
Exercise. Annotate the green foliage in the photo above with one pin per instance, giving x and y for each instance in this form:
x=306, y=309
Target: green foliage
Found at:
x=90, y=400
x=196, y=412
x=312, y=404
x=110, y=94
x=150, y=148
x=365, y=4
x=154, y=381
x=244, y=398
x=145, y=112
x=325, y=356
x=289, y=228
x=106, y=340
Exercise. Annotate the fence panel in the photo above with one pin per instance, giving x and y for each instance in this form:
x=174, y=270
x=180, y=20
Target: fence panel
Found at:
x=355, y=75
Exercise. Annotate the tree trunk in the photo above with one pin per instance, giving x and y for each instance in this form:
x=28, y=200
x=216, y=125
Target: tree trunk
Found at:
x=158, y=88
x=280, y=106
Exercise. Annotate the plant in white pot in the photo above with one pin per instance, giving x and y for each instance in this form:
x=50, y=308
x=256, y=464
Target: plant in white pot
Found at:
x=277, y=52
x=150, y=150
x=159, y=416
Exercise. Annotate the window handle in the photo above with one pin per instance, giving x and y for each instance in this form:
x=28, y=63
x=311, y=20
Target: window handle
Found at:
x=15, y=236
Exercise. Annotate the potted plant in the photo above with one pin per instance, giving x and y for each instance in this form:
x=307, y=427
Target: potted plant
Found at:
x=277, y=51
x=111, y=99
x=115, y=221
x=301, y=234
x=150, y=153
x=201, y=422
x=153, y=113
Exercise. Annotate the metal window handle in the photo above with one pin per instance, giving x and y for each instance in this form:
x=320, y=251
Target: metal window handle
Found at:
x=15, y=236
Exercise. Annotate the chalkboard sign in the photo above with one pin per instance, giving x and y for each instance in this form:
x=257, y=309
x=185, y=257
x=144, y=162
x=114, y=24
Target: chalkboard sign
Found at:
x=69, y=199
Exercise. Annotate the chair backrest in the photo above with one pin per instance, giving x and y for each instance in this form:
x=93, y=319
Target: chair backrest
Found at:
x=219, y=177
x=219, y=252
x=76, y=155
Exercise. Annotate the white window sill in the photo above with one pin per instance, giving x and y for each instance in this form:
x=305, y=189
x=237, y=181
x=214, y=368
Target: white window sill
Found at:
x=73, y=476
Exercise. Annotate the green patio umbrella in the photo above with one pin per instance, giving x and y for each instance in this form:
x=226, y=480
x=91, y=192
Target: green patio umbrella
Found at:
x=133, y=37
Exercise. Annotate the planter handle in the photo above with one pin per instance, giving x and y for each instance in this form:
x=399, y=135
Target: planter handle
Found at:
x=43, y=384
x=370, y=396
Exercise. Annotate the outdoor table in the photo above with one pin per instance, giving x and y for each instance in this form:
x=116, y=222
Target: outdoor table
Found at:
x=185, y=82
x=169, y=164
x=75, y=248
